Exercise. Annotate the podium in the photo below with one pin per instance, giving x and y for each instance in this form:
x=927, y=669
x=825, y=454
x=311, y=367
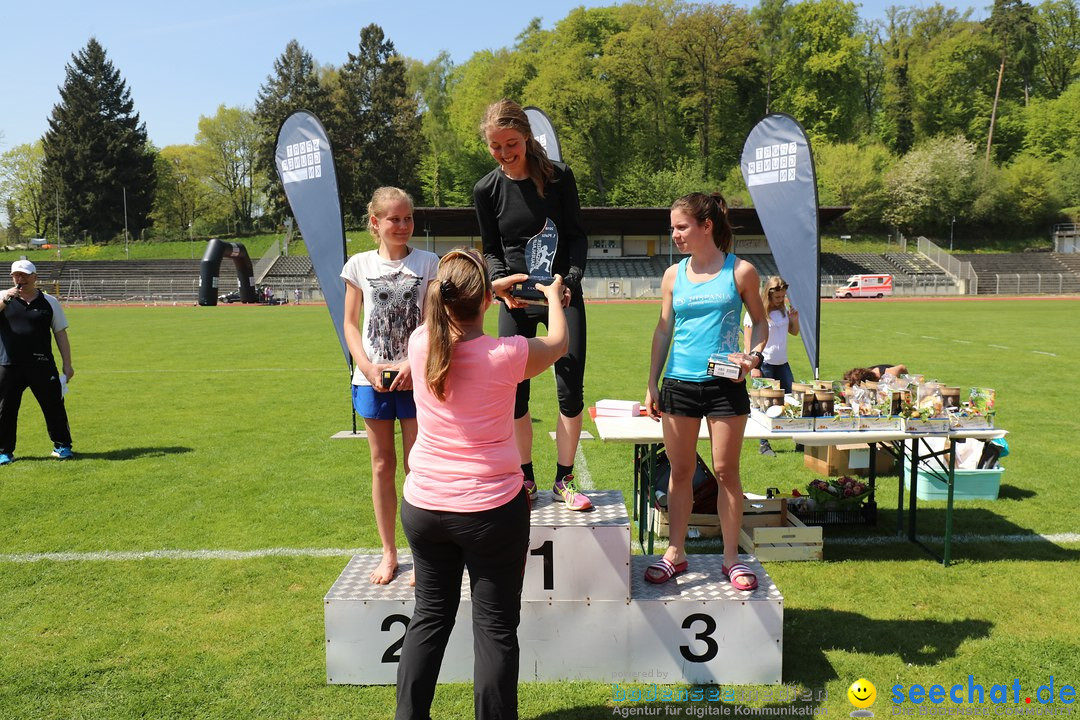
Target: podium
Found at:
x=587, y=613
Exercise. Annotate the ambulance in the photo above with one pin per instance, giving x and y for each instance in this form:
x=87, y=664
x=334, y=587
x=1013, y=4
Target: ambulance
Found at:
x=874, y=286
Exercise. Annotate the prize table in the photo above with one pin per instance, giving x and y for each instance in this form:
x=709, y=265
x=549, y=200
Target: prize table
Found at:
x=646, y=436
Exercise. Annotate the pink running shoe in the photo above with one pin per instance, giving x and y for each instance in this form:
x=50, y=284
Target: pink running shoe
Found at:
x=567, y=492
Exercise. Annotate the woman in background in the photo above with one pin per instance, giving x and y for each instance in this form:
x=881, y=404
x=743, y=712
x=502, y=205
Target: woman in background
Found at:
x=783, y=320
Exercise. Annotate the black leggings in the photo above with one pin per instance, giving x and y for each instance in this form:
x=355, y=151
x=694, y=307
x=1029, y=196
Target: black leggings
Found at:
x=492, y=544
x=569, y=369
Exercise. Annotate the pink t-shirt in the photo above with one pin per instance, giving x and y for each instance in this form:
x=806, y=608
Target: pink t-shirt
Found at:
x=465, y=458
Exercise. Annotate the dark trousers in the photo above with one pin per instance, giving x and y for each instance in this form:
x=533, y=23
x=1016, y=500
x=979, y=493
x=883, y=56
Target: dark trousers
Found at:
x=493, y=545
x=569, y=369
x=44, y=382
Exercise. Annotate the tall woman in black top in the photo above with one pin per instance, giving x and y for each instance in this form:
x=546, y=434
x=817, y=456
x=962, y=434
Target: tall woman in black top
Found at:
x=513, y=203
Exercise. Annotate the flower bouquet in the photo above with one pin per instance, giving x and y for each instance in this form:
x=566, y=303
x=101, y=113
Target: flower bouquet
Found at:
x=842, y=492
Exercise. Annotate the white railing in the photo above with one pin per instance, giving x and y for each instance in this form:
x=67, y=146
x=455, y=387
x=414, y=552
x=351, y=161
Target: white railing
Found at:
x=962, y=271
x=267, y=261
x=1031, y=283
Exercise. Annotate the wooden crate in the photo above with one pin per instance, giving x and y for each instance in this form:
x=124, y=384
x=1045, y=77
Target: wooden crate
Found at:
x=769, y=531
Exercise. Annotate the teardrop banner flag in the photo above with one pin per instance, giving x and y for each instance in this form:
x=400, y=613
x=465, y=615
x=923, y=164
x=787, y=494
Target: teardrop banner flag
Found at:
x=778, y=168
x=544, y=132
x=305, y=166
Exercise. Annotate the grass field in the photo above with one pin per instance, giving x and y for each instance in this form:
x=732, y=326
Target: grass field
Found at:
x=207, y=429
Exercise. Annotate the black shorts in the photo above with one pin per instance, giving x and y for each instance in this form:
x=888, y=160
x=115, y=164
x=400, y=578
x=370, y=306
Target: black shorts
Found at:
x=718, y=397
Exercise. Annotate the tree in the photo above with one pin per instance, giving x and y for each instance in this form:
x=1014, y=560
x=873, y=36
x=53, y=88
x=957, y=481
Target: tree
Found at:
x=854, y=175
x=227, y=145
x=936, y=181
x=1057, y=24
x=1012, y=24
x=96, y=150
x=768, y=16
x=22, y=189
x=376, y=126
x=716, y=54
x=820, y=64
x=183, y=192
x=294, y=85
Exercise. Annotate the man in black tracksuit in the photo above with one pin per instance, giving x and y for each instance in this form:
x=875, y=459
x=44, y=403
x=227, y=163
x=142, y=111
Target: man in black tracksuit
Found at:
x=29, y=318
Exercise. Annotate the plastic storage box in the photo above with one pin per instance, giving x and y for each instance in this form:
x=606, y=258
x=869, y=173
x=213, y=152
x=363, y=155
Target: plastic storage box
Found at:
x=970, y=484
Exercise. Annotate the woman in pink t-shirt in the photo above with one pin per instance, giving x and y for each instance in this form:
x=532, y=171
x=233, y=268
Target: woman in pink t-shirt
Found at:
x=464, y=502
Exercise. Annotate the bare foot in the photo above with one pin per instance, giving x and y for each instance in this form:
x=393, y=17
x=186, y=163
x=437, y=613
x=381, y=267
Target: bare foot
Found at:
x=384, y=572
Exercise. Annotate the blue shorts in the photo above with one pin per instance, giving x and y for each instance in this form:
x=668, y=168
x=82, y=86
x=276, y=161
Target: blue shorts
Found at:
x=393, y=405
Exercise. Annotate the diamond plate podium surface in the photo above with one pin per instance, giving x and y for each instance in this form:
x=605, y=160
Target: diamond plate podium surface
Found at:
x=694, y=629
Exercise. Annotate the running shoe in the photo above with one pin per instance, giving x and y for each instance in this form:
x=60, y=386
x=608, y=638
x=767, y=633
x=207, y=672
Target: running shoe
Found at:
x=566, y=491
x=6, y=459
x=530, y=488
x=63, y=453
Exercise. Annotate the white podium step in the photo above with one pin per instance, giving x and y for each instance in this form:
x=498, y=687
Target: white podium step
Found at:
x=578, y=555
x=695, y=629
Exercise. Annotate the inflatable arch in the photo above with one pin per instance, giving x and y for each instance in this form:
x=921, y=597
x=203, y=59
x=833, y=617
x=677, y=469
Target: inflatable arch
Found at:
x=211, y=264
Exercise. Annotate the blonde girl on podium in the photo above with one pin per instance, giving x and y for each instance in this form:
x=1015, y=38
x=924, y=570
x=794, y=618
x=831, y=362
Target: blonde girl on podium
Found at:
x=386, y=286
x=702, y=301
x=465, y=504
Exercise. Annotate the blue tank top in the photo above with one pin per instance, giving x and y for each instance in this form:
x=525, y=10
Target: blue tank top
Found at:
x=706, y=321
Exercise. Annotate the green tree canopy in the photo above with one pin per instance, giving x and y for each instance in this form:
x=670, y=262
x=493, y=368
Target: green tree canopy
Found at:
x=294, y=85
x=376, y=126
x=22, y=189
x=96, y=150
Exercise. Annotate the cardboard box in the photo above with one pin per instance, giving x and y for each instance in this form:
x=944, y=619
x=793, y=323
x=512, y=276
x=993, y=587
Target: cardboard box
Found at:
x=835, y=423
x=789, y=424
x=882, y=422
x=927, y=426
x=617, y=408
x=836, y=460
x=971, y=422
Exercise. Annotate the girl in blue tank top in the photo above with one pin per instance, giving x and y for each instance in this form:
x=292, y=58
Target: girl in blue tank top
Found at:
x=700, y=314
x=707, y=318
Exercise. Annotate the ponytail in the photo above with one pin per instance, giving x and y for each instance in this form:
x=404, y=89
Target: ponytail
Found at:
x=713, y=207
x=456, y=294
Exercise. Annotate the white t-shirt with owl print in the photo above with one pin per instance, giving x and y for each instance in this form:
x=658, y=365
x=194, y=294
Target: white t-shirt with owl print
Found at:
x=394, y=293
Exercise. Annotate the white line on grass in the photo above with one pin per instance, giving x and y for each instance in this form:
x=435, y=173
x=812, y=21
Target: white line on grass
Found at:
x=999, y=347
x=965, y=342
x=124, y=556
x=1056, y=539
x=929, y=337
x=119, y=555
x=1040, y=352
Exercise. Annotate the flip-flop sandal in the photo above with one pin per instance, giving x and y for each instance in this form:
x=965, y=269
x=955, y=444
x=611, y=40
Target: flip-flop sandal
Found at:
x=663, y=570
x=740, y=571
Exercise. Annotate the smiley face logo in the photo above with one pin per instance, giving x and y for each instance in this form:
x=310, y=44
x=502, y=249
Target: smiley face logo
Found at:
x=862, y=693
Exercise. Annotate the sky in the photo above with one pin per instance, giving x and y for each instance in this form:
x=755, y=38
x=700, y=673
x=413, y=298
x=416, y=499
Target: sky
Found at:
x=181, y=60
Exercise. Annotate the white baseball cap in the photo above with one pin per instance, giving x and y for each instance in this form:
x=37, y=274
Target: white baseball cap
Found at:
x=23, y=266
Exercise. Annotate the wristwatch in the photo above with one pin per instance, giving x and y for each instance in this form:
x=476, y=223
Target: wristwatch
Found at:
x=760, y=358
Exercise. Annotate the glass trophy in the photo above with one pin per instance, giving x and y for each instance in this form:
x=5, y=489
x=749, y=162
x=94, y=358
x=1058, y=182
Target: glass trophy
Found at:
x=720, y=365
x=539, y=256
